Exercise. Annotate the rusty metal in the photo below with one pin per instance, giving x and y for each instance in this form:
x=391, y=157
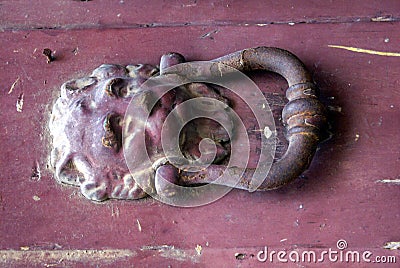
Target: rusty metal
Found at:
x=303, y=117
x=89, y=155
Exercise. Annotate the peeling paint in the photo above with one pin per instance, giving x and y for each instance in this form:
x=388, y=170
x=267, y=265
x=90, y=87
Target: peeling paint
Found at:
x=367, y=51
x=198, y=249
x=383, y=18
x=240, y=256
x=36, y=173
x=49, y=257
x=170, y=252
x=392, y=245
x=179, y=255
x=20, y=103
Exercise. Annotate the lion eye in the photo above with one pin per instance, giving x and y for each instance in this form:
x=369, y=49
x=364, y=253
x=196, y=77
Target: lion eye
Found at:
x=113, y=132
x=117, y=87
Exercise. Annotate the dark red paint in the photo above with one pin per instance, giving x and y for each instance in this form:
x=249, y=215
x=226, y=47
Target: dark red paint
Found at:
x=339, y=197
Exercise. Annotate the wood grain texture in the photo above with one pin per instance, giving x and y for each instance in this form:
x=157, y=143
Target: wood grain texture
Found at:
x=337, y=198
x=70, y=14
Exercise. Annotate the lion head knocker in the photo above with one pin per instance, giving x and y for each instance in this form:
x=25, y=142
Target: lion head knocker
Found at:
x=87, y=126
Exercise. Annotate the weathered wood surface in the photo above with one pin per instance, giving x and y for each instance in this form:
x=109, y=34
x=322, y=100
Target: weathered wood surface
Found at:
x=341, y=196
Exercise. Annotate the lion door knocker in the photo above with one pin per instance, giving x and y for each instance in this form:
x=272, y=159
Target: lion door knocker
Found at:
x=98, y=117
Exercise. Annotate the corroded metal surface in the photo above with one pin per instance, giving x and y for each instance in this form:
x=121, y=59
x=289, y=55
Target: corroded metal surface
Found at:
x=303, y=116
x=87, y=124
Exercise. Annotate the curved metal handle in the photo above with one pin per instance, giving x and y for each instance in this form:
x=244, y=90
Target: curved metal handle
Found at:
x=303, y=117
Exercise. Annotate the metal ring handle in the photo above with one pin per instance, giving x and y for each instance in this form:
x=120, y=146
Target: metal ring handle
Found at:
x=303, y=117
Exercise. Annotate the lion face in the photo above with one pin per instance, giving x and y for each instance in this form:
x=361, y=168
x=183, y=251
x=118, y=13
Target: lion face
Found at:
x=86, y=126
x=87, y=122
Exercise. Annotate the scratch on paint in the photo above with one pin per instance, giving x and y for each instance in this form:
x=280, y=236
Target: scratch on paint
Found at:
x=390, y=181
x=13, y=86
x=209, y=34
x=367, y=51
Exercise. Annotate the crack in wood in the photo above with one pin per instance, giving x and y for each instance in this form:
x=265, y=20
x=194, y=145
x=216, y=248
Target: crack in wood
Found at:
x=257, y=23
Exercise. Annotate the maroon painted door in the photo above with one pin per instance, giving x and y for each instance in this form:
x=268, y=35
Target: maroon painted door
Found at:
x=350, y=192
